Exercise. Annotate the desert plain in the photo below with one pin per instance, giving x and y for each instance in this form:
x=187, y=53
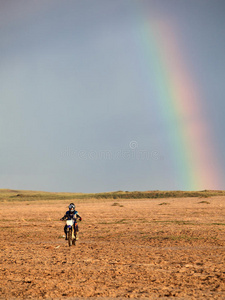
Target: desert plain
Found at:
x=132, y=248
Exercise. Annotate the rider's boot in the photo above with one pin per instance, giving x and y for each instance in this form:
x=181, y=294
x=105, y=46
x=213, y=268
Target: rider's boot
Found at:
x=77, y=237
x=65, y=231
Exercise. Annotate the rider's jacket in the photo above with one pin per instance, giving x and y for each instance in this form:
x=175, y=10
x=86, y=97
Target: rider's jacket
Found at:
x=71, y=215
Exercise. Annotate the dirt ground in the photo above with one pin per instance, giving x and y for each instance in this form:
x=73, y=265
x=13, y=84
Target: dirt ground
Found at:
x=150, y=248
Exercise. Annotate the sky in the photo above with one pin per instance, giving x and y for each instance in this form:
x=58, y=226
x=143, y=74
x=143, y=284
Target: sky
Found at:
x=106, y=95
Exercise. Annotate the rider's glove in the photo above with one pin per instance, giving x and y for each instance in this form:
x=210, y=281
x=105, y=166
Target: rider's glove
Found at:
x=80, y=219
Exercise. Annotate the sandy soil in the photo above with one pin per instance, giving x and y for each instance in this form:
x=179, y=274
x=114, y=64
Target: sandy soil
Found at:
x=163, y=248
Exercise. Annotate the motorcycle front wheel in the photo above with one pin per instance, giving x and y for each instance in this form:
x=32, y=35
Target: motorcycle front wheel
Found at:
x=69, y=234
x=74, y=239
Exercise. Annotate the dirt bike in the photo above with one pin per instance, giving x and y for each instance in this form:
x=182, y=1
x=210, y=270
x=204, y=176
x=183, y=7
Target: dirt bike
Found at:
x=71, y=234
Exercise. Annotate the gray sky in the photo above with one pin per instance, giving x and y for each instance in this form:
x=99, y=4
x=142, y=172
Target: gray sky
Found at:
x=80, y=111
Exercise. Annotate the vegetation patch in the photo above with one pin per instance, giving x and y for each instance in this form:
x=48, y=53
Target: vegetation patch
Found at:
x=179, y=222
x=117, y=204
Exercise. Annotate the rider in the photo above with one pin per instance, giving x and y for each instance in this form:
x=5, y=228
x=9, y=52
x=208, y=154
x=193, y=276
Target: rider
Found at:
x=71, y=214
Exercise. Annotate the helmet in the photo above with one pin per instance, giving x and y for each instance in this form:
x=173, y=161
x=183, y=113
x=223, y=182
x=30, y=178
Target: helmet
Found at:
x=72, y=207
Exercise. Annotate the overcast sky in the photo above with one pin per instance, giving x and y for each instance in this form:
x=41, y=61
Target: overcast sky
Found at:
x=78, y=112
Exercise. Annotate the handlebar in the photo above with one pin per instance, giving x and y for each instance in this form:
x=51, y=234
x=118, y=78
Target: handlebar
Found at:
x=67, y=218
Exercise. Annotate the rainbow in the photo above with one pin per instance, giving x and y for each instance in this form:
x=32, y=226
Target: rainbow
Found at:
x=180, y=103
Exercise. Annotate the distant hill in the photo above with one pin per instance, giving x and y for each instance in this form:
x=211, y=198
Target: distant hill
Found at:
x=7, y=195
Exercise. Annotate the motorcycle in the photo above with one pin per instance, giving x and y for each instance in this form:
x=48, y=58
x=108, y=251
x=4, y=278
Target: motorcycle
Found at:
x=71, y=233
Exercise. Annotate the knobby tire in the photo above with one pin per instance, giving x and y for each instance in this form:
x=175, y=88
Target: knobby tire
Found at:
x=70, y=237
x=74, y=240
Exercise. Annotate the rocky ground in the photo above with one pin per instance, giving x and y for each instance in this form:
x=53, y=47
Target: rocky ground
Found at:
x=162, y=248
